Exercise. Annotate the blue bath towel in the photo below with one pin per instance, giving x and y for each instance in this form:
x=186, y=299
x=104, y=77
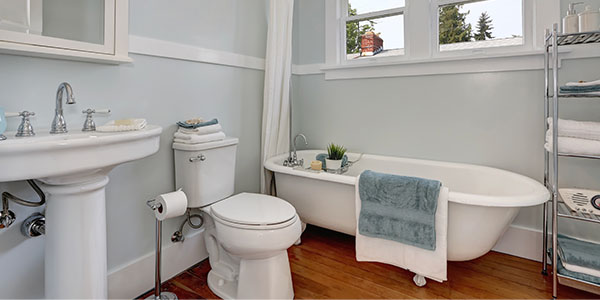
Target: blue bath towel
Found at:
x=578, y=253
x=580, y=89
x=203, y=124
x=324, y=156
x=398, y=208
x=577, y=275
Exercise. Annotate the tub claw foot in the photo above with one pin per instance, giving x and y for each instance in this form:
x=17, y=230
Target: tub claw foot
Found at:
x=419, y=280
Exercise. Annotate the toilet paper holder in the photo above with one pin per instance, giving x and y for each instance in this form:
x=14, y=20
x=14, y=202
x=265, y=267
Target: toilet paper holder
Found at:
x=153, y=204
x=158, y=293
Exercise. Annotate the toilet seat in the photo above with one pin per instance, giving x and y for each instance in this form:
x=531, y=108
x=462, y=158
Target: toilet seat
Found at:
x=254, y=211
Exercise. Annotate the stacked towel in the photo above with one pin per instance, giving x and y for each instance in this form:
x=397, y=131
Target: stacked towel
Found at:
x=123, y=125
x=581, y=87
x=197, y=132
x=575, y=137
x=579, y=256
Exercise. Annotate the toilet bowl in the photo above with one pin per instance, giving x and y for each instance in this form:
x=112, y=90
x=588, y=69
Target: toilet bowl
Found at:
x=247, y=235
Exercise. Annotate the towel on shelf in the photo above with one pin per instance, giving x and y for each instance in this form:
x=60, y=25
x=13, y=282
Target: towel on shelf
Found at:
x=192, y=125
x=579, y=256
x=198, y=139
x=581, y=276
x=577, y=129
x=201, y=130
x=583, y=83
x=570, y=145
x=383, y=246
x=323, y=156
x=123, y=125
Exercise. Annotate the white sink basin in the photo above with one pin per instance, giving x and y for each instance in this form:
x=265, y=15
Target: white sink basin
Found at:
x=73, y=169
x=45, y=155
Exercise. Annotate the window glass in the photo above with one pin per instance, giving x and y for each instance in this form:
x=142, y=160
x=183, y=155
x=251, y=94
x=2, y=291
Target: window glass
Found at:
x=482, y=24
x=376, y=37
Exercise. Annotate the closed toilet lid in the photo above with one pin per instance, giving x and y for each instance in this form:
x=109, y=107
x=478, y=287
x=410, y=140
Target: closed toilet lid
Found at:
x=254, y=209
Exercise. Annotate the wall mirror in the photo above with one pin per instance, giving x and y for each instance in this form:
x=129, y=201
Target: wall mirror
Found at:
x=93, y=30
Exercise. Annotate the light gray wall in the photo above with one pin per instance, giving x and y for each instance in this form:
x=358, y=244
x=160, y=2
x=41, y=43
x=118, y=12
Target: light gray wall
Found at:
x=493, y=119
x=161, y=90
x=201, y=23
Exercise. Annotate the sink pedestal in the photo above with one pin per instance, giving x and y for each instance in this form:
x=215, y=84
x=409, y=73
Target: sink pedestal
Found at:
x=75, y=262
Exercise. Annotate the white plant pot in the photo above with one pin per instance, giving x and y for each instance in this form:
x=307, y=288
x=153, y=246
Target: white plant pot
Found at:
x=333, y=164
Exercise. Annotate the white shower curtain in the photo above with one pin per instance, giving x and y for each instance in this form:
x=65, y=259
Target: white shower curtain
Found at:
x=278, y=71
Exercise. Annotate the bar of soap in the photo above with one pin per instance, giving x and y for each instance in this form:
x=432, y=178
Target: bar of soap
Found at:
x=127, y=122
x=316, y=165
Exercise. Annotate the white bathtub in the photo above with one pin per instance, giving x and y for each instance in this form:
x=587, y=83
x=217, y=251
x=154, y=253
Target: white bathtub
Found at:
x=483, y=200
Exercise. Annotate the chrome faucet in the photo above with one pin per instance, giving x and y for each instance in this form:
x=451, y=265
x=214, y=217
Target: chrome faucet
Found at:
x=59, y=125
x=292, y=160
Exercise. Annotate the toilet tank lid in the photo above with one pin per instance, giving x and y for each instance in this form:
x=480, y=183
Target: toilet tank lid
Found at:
x=205, y=146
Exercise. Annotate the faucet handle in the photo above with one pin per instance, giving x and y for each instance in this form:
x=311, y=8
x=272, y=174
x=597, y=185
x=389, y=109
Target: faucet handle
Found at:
x=89, y=124
x=25, y=129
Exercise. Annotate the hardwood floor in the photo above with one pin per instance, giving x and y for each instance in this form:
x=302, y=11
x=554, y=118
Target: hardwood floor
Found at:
x=324, y=267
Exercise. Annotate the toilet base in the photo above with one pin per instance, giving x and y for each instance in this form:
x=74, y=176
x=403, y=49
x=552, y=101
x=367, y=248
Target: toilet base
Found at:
x=268, y=278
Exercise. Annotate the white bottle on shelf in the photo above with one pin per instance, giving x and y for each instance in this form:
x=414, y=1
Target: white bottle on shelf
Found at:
x=571, y=20
x=589, y=20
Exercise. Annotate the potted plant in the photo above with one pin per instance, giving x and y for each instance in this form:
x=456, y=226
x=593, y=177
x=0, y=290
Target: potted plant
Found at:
x=335, y=154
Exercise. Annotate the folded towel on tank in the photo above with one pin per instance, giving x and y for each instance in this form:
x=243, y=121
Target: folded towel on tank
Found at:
x=198, y=139
x=577, y=129
x=402, y=221
x=570, y=145
x=201, y=130
x=195, y=123
x=123, y=125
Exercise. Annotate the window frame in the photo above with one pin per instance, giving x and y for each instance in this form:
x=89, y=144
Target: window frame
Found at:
x=421, y=49
x=390, y=12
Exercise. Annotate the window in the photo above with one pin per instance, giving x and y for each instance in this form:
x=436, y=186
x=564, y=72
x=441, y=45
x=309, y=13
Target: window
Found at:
x=465, y=25
x=374, y=28
x=385, y=38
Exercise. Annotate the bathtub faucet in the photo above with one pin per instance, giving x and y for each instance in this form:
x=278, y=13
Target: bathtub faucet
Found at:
x=292, y=160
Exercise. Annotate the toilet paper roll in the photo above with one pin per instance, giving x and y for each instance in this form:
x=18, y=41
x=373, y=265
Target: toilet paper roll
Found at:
x=171, y=205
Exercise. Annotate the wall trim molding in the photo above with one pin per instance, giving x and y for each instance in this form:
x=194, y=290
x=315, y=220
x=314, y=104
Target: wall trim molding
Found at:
x=137, y=277
x=521, y=242
x=167, y=49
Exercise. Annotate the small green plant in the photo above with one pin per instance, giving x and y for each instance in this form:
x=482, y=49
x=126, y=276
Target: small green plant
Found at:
x=335, y=152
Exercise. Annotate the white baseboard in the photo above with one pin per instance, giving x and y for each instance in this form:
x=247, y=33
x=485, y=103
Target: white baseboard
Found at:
x=522, y=242
x=137, y=277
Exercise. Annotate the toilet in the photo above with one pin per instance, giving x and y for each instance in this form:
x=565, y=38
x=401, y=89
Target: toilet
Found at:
x=247, y=235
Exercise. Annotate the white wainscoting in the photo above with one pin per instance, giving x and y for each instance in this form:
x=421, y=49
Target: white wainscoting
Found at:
x=133, y=279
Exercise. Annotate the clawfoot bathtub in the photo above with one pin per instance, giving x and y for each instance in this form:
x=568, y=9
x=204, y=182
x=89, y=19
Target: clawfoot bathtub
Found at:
x=483, y=200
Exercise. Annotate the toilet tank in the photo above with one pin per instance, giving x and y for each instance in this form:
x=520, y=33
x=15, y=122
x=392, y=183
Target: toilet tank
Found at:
x=205, y=172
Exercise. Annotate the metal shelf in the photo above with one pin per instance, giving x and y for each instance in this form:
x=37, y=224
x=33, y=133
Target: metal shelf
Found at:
x=565, y=212
x=567, y=39
x=578, y=284
x=554, y=39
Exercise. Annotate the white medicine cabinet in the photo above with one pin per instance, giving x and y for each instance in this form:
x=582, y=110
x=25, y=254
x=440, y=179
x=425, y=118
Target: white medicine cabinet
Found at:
x=86, y=30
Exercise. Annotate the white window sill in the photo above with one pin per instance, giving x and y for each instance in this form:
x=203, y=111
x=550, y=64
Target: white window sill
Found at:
x=448, y=64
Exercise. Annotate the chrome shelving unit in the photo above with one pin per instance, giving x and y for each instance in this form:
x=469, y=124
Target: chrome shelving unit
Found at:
x=552, y=96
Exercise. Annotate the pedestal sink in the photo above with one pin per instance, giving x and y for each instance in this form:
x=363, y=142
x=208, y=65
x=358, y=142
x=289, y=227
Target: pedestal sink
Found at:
x=73, y=170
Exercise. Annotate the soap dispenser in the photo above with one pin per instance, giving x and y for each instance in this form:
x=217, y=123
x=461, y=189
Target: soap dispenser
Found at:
x=589, y=20
x=571, y=20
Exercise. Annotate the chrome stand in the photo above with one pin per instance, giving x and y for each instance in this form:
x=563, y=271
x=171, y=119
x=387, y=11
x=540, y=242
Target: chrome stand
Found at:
x=158, y=295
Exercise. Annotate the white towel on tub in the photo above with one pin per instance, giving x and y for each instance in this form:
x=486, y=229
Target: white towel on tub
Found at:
x=431, y=264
